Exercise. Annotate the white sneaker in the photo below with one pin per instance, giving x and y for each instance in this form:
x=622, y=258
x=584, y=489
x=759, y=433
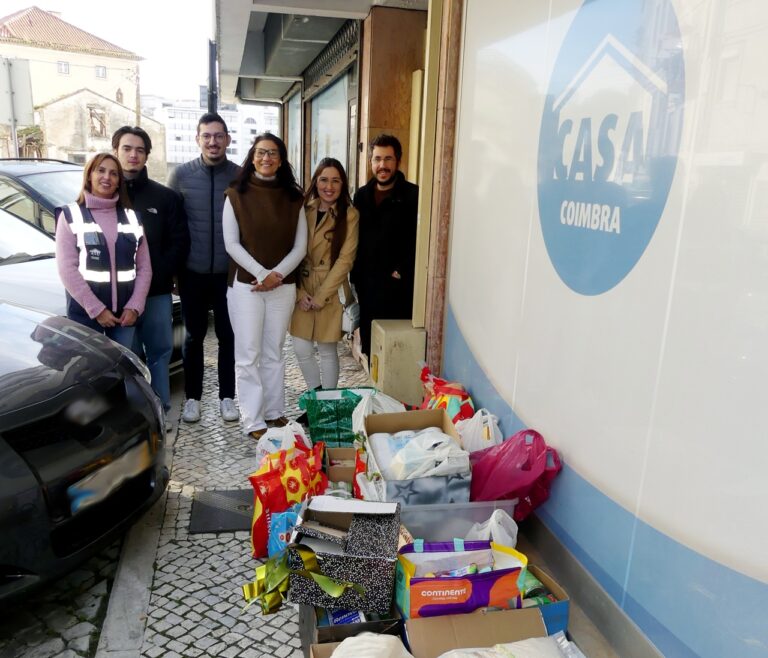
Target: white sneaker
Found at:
x=228, y=409
x=168, y=426
x=191, y=413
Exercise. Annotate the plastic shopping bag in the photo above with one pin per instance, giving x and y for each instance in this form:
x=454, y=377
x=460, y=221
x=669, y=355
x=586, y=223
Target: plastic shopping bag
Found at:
x=280, y=528
x=479, y=432
x=521, y=467
x=330, y=414
x=281, y=438
x=442, y=394
x=283, y=478
x=408, y=455
x=427, y=582
x=376, y=403
x=500, y=528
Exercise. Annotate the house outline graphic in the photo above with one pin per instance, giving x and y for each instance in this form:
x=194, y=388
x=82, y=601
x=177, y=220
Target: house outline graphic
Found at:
x=610, y=46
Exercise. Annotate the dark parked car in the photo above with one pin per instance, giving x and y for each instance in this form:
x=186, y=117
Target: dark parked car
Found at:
x=82, y=445
x=31, y=189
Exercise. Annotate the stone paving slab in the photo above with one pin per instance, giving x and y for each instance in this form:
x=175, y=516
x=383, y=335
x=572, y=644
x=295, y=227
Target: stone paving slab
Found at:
x=64, y=620
x=195, y=605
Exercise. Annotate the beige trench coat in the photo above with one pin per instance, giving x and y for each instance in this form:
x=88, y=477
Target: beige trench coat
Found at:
x=317, y=279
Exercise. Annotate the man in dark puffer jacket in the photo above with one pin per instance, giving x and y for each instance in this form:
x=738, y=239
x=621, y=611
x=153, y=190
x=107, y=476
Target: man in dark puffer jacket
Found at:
x=203, y=283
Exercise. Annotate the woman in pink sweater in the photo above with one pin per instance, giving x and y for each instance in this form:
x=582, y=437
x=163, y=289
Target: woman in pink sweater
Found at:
x=102, y=254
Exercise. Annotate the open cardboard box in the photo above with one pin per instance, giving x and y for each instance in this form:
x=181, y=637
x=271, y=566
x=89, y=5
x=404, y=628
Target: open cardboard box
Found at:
x=429, y=637
x=555, y=614
x=322, y=650
x=338, y=473
x=310, y=633
x=428, y=490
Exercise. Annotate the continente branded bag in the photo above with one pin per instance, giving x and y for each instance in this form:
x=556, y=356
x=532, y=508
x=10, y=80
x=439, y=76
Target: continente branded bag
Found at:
x=448, y=578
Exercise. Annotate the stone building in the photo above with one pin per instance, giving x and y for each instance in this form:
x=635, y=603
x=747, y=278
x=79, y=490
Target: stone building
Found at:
x=76, y=125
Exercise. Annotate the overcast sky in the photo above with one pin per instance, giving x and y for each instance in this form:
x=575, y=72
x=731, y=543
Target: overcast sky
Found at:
x=171, y=35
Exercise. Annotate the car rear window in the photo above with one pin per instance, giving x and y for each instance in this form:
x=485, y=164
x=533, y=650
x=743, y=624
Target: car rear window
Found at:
x=57, y=187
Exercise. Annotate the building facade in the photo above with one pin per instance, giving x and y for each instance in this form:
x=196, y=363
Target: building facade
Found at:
x=85, y=81
x=79, y=124
x=180, y=117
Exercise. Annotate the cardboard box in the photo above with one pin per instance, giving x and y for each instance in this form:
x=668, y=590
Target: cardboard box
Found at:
x=322, y=650
x=354, y=541
x=310, y=633
x=555, y=615
x=419, y=491
x=429, y=637
x=340, y=473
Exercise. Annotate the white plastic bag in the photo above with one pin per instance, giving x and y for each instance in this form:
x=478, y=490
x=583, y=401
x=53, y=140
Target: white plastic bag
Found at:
x=280, y=438
x=499, y=528
x=480, y=431
x=376, y=403
x=371, y=645
x=408, y=455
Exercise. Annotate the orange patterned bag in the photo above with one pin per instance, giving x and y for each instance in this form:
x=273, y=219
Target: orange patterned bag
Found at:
x=283, y=479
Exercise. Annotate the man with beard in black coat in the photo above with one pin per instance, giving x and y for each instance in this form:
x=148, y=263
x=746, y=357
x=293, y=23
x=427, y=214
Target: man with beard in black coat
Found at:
x=383, y=273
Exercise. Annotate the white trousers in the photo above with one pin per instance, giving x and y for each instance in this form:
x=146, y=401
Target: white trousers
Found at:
x=260, y=324
x=329, y=363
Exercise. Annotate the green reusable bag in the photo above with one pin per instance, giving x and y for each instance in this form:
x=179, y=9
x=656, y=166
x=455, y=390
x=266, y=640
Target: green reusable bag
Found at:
x=329, y=412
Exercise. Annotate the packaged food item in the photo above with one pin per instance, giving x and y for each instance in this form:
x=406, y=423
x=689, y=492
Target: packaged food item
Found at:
x=539, y=600
x=532, y=586
x=339, y=617
x=462, y=571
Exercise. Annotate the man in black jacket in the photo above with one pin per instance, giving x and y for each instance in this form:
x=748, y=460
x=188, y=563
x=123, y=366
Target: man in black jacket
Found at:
x=384, y=267
x=165, y=228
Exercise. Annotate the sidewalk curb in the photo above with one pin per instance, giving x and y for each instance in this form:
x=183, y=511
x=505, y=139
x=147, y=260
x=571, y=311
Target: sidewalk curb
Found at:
x=122, y=633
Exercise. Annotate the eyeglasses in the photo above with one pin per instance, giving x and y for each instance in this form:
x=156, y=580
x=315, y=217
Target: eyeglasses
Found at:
x=262, y=153
x=218, y=137
x=388, y=159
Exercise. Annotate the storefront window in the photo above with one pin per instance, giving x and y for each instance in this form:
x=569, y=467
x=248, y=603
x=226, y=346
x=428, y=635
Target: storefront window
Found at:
x=294, y=133
x=329, y=123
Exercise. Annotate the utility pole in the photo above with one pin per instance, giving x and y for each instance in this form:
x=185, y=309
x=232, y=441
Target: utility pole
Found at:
x=138, y=97
x=15, y=97
x=213, y=82
x=14, y=135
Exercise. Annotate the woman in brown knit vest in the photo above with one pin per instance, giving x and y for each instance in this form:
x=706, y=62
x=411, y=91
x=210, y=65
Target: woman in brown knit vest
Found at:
x=265, y=234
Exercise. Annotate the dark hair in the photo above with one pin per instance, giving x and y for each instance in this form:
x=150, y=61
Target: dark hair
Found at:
x=132, y=130
x=385, y=140
x=210, y=117
x=342, y=203
x=285, y=175
x=94, y=162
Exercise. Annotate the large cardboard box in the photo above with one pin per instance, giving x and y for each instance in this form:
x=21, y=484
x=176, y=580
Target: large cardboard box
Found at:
x=429, y=637
x=310, y=633
x=555, y=615
x=419, y=491
x=354, y=541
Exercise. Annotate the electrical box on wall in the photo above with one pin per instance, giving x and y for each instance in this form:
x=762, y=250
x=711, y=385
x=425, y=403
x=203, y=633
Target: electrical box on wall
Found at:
x=397, y=350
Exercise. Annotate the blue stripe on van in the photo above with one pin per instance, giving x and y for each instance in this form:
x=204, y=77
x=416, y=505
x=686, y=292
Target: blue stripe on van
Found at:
x=687, y=604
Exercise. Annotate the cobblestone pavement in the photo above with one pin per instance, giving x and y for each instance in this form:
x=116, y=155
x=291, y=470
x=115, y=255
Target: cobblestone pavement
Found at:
x=65, y=619
x=196, y=606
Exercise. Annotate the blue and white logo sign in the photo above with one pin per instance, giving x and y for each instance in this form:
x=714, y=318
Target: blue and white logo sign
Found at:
x=609, y=139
